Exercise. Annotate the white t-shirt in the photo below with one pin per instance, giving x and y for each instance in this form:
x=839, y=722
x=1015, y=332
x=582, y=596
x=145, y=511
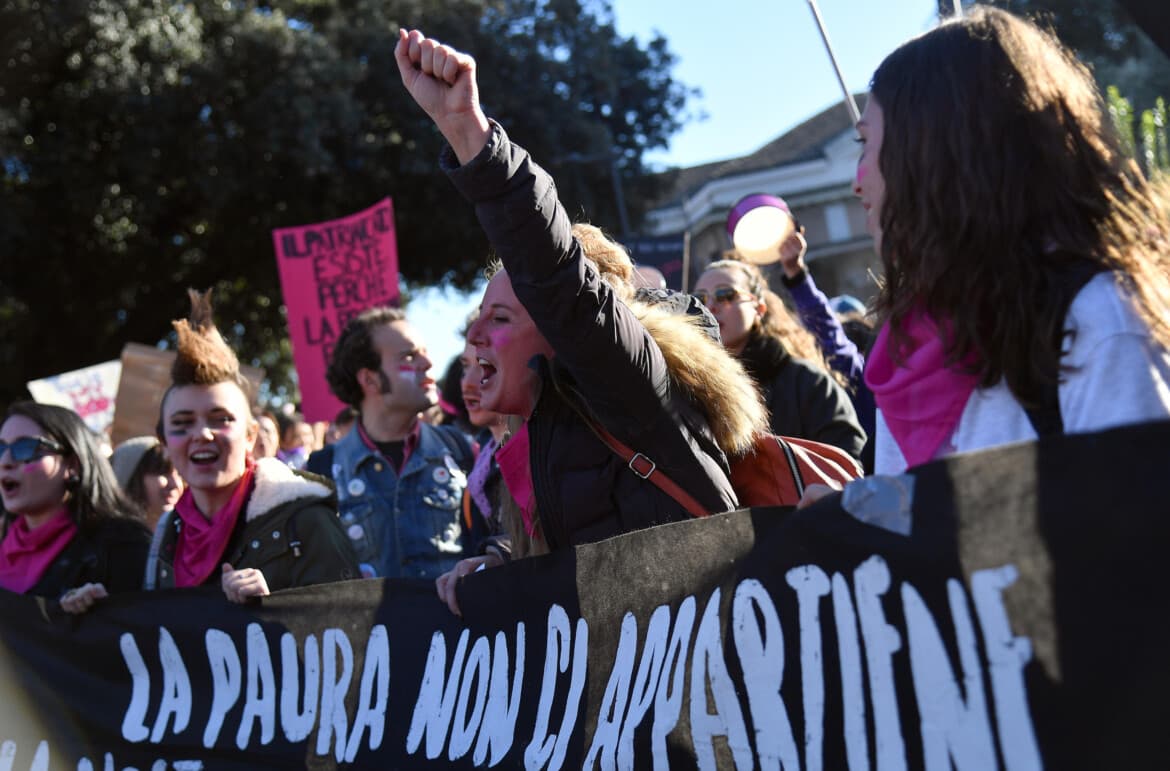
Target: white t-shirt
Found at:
x=1121, y=376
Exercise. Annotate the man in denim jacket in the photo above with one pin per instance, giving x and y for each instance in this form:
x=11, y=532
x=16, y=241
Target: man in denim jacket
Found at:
x=399, y=480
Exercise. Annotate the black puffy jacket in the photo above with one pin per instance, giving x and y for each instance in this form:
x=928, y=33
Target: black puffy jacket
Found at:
x=606, y=364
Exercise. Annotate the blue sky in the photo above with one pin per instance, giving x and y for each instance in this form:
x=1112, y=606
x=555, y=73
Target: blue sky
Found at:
x=762, y=66
x=762, y=69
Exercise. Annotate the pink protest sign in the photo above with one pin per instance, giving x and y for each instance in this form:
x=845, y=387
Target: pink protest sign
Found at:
x=331, y=272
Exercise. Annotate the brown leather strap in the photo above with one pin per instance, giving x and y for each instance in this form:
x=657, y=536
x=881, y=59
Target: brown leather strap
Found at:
x=648, y=470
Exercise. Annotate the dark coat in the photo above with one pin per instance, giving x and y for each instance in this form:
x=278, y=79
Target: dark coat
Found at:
x=113, y=553
x=289, y=531
x=607, y=364
x=803, y=401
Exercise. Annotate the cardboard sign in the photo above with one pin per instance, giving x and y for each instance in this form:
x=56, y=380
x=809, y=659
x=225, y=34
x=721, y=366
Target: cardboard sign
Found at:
x=146, y=373
x=329, y=273
x=89, y=392
x=1015, y=619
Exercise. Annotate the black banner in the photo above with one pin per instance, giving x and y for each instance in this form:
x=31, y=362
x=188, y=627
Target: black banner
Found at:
x=1019, y=623
x=664, y=253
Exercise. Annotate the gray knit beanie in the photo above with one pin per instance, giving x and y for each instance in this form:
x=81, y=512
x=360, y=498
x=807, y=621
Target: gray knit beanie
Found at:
x=128, y=455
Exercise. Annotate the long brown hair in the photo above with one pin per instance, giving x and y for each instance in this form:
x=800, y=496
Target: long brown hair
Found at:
x=1003, y=175
x=778, y=321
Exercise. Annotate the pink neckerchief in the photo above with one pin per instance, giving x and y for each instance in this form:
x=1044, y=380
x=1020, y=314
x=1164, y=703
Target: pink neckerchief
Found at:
x=26, y=554
x=408, y=444
x=512, y=458
x=922, y=399
x=202, y=542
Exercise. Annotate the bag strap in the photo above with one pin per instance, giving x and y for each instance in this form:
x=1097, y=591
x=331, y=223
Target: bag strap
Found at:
x=647, y=469
x=793, y=464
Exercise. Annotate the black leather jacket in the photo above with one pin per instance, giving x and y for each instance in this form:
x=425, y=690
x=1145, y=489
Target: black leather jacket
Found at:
x=113, y=553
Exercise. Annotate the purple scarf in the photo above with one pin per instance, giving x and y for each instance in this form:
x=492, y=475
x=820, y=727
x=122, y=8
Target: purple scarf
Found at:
x=477, y=479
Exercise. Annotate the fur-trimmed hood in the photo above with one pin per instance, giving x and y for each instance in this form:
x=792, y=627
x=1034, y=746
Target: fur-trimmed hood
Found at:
x=712, y=379
x=277, y=484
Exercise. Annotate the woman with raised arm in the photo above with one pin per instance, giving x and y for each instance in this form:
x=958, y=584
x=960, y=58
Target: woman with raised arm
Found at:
x=249, y=526
x=68, y=532
x=560, y=347
x=1027, y=259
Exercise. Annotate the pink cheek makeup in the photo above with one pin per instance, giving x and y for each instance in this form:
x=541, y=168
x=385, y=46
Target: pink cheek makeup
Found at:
x=861, y=172
x=499, y=339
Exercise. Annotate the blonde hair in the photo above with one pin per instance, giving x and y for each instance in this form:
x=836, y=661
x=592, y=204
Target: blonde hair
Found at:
x=523, y=545
x=611, y=258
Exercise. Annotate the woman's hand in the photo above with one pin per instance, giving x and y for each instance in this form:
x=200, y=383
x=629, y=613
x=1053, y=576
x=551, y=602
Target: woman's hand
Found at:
x=445, y=584
x=814, y=493
x=240, y=585
x=792, y=254
x=442, y=81
x=82, y=598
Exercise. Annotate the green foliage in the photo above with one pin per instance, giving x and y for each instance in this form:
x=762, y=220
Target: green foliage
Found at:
x=1121, y=112
x=1104, y=36
x=151, y=145
x=1150, y=145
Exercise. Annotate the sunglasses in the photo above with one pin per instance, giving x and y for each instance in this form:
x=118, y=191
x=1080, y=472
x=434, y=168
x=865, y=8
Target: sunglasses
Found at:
x=724, y=295
x=29, y=448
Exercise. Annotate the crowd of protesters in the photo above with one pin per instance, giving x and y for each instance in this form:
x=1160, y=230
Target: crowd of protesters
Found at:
x=1035, y=301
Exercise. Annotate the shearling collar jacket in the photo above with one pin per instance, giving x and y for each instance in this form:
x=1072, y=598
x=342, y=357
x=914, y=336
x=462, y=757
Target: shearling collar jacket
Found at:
x=289, y=531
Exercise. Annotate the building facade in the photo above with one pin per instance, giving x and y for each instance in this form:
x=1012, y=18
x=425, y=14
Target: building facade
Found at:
x=812, y=167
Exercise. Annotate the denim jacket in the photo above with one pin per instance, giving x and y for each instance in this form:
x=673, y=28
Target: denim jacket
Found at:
x=403, y=525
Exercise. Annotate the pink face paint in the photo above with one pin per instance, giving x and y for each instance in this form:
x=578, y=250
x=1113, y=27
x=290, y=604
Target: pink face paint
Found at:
x=410, y=372
x=861, y=172
x=499, y=338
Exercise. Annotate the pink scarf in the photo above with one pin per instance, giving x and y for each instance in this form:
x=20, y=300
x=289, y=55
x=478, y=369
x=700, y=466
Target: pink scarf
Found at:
x=202, y=541
x=26, y=554
x=512, y=458
x=921, y=400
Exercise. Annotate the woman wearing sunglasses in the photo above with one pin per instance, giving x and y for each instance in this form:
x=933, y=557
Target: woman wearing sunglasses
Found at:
x=248, y=526
x=67, y=530
x=802, y=397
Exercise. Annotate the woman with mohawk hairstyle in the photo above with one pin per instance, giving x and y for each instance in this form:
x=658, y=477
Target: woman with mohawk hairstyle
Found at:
x=251, y=526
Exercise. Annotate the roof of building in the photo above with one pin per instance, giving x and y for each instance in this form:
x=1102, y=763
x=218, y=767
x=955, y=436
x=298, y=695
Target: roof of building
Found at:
x=805, y=142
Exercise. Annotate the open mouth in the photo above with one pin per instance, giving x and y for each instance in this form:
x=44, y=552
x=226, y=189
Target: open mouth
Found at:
x=204, y=457
x=488, y=370
x=9, y=486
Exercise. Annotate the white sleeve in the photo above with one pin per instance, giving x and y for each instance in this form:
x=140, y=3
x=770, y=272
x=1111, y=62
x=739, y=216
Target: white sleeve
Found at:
x=887, y=455
x=1120, y=375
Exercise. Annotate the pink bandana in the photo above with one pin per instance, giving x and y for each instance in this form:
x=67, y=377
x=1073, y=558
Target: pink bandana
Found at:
x=26, y=554
x=921, y=400
x=202, y=541
x=512, y=458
